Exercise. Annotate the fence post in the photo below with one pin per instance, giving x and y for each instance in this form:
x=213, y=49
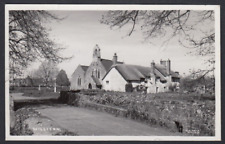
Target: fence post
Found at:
x=55, y=88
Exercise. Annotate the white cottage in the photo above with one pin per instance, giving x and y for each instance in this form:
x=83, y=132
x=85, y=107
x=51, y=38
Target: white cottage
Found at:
x=157, y=78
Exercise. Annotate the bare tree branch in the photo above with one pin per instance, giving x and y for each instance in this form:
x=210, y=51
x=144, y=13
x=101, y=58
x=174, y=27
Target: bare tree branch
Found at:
x=29, y=38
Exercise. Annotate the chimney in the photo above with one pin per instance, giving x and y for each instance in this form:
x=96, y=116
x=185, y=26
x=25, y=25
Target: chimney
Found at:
x=177, y=72
x=168, y=68
x=152, y=67
x=163, y=62
x=114, y=59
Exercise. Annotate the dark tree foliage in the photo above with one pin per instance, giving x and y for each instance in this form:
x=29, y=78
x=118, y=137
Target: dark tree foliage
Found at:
x=62, y=79
x=29, y=39
x=194, y=29
x=193, y=83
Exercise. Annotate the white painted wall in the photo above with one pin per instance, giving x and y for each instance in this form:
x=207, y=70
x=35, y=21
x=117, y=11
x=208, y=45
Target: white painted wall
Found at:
x=157, y=86
x=116, y=81
x=134, y=84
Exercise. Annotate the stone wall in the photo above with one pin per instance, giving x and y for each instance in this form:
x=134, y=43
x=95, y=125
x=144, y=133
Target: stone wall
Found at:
x=79, y=73
x=95, y=65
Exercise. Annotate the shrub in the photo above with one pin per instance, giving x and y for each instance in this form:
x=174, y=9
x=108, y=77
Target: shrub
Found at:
x=172, y=87
x=69, y=97
x=191, y=111
x=128, y=87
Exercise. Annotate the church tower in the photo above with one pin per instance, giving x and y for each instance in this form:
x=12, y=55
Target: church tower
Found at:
x=96, y=53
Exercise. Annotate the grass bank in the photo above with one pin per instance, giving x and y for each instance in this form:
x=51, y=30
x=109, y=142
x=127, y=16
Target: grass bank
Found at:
x=191, y=114
x=22, y=128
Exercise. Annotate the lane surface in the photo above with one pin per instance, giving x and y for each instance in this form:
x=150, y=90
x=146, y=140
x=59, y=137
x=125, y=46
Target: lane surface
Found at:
x=89, y=122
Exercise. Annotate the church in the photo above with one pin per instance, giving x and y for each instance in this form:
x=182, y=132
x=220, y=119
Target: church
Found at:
x=113, y=75
x=90, y=77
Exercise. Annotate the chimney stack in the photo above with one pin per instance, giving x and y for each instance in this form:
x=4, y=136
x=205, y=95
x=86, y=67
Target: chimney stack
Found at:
x=177, y=72
x=163, y=62
x=168, y=67
x=114, y=59
x=152, y=67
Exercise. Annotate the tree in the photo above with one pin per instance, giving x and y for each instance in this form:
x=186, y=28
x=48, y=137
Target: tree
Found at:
x=48, y=72
x=29, y=39
x=194, y=83
x=62, y=79
x=194, y=29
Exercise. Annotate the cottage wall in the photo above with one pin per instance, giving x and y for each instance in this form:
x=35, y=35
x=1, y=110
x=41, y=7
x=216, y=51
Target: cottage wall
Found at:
x=78, y=73
x=156, y=86
x=114, y=81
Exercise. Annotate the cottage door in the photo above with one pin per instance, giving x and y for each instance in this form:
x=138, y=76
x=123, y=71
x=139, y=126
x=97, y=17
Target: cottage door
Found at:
x=157, y=89
x=89, y=86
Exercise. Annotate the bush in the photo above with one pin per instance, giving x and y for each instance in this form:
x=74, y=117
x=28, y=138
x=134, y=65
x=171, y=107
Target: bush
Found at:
x=128, y=87
x=20, y=127
x=172, y=87
x=192, y=112
x=69, y=97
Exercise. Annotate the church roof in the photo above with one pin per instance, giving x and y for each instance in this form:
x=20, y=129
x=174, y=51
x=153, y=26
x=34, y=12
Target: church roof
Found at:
x=108, y=63
x=84, y=67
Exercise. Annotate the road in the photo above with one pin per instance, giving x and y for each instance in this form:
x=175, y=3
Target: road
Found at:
x=87, y=122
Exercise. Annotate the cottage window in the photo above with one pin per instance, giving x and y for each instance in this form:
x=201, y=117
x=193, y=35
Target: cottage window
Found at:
x=175, y=79
x=107, y=82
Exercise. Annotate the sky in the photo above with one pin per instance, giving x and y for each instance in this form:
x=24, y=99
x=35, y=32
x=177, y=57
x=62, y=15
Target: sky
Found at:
x=80, y=31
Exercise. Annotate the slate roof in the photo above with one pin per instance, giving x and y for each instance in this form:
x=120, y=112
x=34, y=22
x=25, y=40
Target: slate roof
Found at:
x=108, y=63
x=136, y=73
x=84, y=67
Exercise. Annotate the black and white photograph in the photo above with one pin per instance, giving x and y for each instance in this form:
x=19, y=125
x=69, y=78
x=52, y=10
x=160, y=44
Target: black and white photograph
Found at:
x=112, y=72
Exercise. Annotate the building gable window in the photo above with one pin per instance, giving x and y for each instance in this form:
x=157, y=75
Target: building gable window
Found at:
x=92, y=73
x=79, y=81
x=107, y=82
x=98, y=74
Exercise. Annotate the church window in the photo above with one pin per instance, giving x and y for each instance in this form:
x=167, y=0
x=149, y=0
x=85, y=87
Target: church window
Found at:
x=79, y=81
x=98, y=74
x=92, y=74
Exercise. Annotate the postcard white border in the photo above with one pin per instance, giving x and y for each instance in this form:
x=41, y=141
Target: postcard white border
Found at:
x=216, y=8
